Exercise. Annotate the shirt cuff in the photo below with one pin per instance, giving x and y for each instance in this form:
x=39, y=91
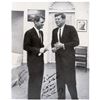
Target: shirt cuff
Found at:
x=63, y=46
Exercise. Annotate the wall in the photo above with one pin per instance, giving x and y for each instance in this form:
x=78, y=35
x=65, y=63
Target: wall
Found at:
x=17, y=31
x=17, y=37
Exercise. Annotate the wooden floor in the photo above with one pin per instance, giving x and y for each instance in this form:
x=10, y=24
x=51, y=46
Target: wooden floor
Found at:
x=49, y=90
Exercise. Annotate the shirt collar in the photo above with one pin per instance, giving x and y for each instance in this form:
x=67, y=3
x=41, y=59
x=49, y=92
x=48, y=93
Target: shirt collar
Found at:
x=37, y=30
x=62, y=27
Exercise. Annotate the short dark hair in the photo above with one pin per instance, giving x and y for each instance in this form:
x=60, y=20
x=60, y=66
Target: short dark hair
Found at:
x=62, y=15
x=37, y=18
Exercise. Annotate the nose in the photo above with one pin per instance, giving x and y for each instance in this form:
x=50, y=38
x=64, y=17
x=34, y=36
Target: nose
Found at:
x=57, y=21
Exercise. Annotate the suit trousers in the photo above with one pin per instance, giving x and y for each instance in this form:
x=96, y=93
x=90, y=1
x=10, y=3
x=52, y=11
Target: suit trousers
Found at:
x=65, y=75
x=34, y=85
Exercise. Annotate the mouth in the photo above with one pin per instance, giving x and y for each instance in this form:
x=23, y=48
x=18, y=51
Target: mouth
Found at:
x=58, y=23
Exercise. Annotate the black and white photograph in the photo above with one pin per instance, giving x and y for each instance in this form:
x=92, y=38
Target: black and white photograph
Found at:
x=50, y=50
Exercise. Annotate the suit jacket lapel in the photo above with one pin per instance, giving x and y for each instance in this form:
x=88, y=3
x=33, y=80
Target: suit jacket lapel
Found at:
x=63, y=32
x=57, y=34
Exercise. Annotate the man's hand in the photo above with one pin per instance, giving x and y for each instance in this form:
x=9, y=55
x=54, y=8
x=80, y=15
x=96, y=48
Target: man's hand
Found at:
x=54, y=49
x=45, y=49
x=58, y=45
x=42, y=50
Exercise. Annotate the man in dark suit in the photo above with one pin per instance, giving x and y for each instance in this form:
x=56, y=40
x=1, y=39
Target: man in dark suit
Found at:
x=64, y=39
x=33, y=44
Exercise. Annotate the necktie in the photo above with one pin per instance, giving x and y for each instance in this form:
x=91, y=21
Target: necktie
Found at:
x=40, y=36
x=60, y=34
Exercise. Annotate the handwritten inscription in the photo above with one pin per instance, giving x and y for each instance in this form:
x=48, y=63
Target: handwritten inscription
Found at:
x=49, y=86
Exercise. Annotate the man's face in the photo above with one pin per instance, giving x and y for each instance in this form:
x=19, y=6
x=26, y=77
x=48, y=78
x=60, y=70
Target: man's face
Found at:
x=40, y=23
x=59, y=21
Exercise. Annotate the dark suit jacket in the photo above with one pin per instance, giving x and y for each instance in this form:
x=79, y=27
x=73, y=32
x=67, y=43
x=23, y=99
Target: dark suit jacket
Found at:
x=32, y=45
x=70, y=40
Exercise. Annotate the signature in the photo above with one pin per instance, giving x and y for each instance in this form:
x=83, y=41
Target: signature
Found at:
x=49, y=86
